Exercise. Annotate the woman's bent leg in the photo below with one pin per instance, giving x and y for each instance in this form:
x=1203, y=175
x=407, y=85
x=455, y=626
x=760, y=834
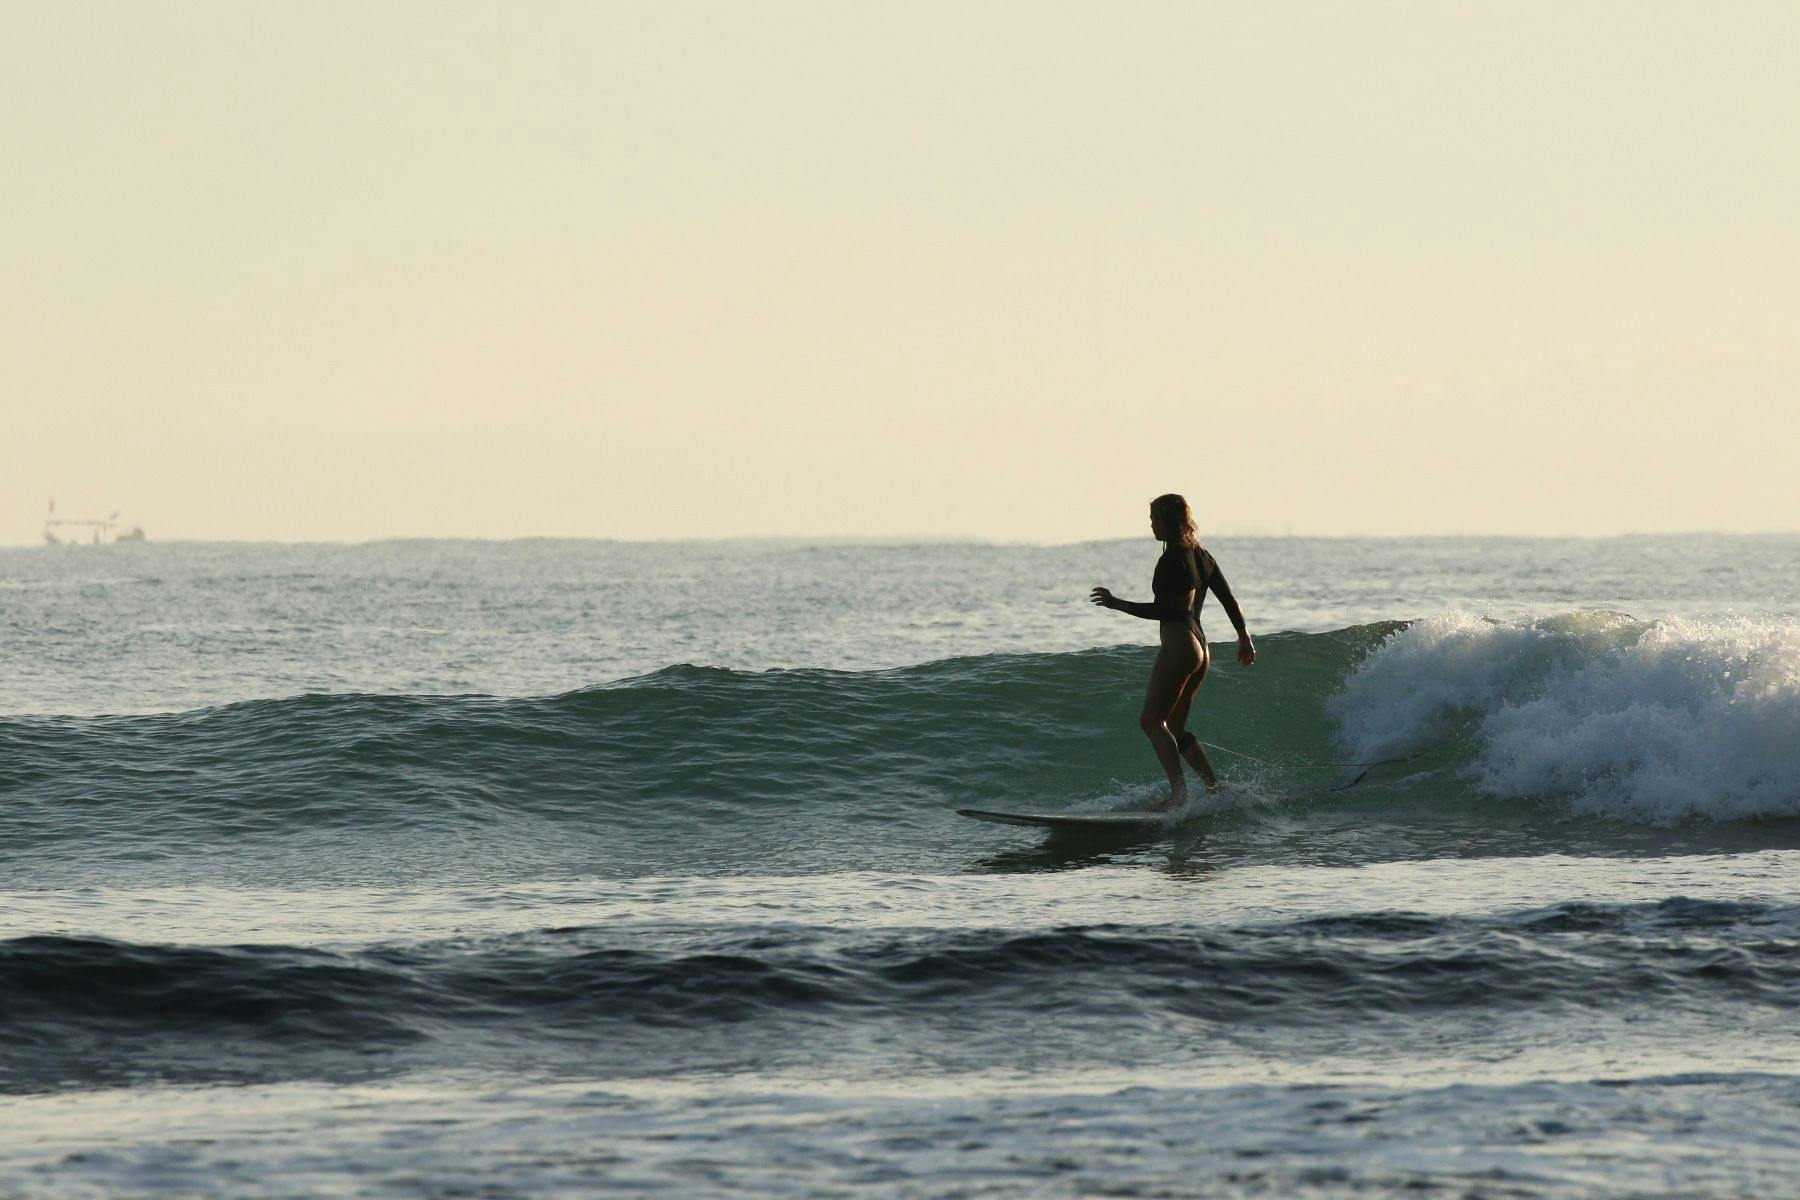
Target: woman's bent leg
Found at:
x=1168, y=676
x=1193, y=751
x=1195, y=754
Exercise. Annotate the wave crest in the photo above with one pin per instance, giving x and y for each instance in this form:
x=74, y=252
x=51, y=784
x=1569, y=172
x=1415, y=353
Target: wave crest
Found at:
x=1658, y=721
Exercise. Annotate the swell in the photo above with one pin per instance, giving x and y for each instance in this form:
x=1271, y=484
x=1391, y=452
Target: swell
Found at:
x=638, y=995
x=1604, y=715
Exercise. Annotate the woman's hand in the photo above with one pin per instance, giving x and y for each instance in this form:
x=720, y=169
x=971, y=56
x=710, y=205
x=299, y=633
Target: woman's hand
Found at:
x=1102, y=597
x=1246, y=650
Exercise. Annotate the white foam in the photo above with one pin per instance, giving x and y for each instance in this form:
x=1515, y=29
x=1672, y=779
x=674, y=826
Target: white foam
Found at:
x=1125, y=797
x=1661, y=721
x=1242, y=795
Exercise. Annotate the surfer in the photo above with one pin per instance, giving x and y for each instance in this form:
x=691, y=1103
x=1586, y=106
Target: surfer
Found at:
x=1183, y=574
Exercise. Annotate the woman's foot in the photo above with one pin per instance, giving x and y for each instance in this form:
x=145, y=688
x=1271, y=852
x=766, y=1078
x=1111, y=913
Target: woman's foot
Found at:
x=1177, y=798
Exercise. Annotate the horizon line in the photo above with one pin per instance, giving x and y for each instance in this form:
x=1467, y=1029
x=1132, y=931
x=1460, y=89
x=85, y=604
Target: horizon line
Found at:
x=903, y=539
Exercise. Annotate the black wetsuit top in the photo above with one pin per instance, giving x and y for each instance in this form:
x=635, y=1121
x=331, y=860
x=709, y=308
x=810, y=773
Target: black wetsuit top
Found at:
x=1184, y=569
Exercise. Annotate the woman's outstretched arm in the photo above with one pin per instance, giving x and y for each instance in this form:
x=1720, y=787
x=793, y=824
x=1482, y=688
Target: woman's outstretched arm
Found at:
x=1150, y=610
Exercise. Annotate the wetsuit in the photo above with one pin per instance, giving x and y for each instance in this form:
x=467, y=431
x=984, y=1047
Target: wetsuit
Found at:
x=1180, y=570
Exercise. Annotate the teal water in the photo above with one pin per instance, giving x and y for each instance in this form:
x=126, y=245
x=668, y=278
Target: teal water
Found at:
x=636, y=866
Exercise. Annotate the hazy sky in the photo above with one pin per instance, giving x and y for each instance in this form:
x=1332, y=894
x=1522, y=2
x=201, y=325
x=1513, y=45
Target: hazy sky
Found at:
x=352, y=270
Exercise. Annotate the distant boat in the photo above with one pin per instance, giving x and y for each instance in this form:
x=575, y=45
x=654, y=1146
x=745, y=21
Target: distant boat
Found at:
x=71, y=531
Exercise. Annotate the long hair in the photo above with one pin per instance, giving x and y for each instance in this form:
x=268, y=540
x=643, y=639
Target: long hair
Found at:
x=1172, y=514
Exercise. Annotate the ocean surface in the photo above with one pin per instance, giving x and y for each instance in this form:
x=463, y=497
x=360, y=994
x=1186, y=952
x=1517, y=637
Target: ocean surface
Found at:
x=536, y=868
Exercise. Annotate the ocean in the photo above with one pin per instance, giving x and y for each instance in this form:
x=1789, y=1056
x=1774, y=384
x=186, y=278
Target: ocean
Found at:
x=537, y=868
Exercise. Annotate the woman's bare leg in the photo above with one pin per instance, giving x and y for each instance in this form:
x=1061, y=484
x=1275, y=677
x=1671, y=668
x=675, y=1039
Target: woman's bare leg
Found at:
x=1168, y=675
x=1193, y=752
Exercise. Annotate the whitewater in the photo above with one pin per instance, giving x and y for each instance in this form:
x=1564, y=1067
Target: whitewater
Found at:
x=544, y=867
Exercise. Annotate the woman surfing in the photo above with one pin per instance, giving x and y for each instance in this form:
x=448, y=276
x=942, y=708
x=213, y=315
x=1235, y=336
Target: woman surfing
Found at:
x=1183, y=574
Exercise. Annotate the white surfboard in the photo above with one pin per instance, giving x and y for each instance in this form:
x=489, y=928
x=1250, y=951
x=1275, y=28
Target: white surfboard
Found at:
x=1067, y=822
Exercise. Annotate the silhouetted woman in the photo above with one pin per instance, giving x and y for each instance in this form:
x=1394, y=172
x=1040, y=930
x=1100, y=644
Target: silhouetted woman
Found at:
x=1183, y=574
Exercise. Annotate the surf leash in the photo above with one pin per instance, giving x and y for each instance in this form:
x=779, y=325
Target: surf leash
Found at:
x=1366, y=766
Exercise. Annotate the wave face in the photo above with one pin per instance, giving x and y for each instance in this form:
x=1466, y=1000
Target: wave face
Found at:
x=694, y=769
x=683, y=753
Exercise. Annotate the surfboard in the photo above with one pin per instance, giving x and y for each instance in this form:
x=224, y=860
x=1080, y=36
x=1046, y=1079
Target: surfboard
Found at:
x=1067, y=822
